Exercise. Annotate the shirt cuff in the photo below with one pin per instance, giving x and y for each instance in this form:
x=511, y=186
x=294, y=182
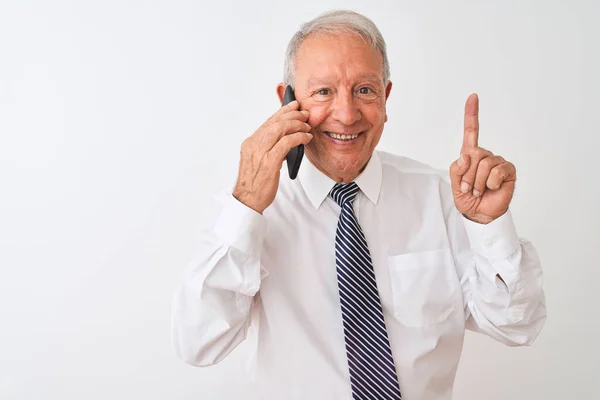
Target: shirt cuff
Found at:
x=240, y=226
x=494, y=241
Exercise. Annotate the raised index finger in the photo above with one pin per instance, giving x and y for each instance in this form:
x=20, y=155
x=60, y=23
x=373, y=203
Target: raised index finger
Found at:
x=471, y=135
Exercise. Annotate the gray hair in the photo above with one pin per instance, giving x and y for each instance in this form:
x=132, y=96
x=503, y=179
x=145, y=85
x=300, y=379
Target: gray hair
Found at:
x=336, y=22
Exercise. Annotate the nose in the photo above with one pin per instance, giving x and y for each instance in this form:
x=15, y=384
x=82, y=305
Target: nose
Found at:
x=345, y=110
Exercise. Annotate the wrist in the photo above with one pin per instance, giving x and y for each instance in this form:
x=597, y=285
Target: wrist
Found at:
x=245, y=198
x=480, y=219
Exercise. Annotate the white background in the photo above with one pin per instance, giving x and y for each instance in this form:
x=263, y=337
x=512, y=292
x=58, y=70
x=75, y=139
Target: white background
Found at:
x=119, y=120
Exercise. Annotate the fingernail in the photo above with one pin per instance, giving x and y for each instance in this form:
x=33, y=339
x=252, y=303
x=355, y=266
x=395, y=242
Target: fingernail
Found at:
x=476, y=193
x=304, y=112
x=464, y=187
x=461, y=161
x=309, y=135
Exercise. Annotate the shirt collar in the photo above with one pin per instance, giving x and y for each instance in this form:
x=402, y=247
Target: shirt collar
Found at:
x=317, y=185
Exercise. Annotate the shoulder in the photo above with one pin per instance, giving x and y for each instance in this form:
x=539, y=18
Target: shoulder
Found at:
x=404, y=177
x=396, y=166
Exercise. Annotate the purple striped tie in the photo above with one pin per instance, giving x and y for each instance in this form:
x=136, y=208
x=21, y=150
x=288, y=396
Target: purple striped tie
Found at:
x=370, y=361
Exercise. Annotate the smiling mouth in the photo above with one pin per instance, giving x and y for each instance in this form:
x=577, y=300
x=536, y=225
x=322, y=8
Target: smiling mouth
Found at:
x=342, y=136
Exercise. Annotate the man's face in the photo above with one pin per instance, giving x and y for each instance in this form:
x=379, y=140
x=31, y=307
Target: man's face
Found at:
x=339, y=80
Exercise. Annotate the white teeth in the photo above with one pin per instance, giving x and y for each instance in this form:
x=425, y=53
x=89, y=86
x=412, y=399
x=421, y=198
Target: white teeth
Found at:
x=342, y=137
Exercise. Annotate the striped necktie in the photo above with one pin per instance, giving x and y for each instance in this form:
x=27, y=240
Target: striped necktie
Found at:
x=370, y=361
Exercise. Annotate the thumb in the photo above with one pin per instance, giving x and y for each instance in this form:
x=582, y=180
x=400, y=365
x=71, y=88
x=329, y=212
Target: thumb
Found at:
x=457, y=170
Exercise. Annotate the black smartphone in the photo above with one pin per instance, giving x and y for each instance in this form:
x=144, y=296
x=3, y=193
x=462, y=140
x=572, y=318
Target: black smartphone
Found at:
x=294, y=156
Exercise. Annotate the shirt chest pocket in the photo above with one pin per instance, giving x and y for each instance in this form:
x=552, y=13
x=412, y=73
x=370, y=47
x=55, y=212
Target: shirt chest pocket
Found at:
x=422, y=287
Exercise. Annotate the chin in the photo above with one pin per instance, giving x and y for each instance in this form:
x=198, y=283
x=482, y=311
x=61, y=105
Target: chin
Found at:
x=336, y=165
x=347, y=166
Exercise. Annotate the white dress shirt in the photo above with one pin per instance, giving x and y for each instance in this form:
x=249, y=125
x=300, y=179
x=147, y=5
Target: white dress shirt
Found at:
x=272, y=279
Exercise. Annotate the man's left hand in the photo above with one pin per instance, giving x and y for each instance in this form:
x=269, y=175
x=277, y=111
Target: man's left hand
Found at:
x=482, y=183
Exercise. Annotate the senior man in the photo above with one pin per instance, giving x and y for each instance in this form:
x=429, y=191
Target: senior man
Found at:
x=358, y=278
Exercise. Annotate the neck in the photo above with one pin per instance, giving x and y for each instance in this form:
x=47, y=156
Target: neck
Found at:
x=337, y=177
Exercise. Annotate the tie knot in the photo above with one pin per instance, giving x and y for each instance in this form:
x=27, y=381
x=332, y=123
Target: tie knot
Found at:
x=344, y=193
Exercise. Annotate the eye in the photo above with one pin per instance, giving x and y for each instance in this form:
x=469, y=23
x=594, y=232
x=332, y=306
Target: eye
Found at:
x=366, y=93
x=323, y=94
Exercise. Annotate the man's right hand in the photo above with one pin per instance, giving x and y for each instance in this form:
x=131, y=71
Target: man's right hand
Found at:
x=263, y=153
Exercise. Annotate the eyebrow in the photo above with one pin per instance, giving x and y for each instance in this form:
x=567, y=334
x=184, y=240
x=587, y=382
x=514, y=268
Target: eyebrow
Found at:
x=312, y=81
x=370, y=78
x=328, y=79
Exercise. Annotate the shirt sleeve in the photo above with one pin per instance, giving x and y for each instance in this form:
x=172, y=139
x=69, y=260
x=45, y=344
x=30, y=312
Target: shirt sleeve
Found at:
x=210, y=311
x=501, y=279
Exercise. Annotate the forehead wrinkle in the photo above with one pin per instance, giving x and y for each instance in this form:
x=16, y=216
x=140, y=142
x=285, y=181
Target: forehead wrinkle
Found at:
x=346, y=70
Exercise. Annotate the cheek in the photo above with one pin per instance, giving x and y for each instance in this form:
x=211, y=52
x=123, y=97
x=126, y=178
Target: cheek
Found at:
x=318, y=114
x=375, y=116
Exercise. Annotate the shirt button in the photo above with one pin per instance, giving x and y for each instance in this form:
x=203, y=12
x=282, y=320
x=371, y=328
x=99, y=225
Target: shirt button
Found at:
x=489, y=242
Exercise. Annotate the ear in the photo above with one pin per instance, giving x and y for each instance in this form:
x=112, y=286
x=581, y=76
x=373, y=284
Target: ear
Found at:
x=388, y=90
x=281, y=91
